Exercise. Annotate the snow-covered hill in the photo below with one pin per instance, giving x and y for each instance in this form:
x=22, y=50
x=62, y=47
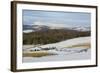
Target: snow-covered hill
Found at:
x=61, y=52
x=48, y=27
x=66, y=43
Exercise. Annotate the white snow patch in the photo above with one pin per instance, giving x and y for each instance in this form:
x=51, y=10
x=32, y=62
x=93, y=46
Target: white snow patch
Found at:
x=28, y=31
x=69, y=42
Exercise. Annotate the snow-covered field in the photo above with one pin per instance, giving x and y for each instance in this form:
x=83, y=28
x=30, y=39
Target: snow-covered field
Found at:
x=72, y=49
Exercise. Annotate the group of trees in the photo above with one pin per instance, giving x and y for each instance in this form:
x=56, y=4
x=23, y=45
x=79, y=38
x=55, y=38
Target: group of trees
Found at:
x=52, y=36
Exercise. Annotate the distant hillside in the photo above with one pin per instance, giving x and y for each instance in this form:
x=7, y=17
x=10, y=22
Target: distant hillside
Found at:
x=34, y=28
x=52, y=36
x=27, y=27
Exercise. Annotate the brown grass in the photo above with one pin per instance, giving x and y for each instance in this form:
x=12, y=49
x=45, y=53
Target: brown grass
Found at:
x=36, y=54
x=85, y=45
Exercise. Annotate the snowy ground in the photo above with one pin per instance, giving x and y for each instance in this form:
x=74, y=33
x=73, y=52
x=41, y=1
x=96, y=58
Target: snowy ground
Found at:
x=62, y=52
x=60, y=57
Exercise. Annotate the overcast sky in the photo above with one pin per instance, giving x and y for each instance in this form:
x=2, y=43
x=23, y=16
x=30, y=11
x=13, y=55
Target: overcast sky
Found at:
x=33, y=17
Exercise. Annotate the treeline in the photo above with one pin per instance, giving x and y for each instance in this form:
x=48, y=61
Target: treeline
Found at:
x=52, y=36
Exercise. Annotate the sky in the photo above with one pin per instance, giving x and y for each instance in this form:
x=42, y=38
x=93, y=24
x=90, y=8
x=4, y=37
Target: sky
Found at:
x=56, y=18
